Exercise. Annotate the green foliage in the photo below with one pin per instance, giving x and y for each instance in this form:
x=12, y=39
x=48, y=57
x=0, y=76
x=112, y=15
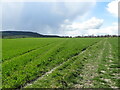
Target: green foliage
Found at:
x=26, y=59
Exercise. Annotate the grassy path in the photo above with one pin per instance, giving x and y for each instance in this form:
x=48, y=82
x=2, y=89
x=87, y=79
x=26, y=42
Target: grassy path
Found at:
x=107, y=70
x=89, y=71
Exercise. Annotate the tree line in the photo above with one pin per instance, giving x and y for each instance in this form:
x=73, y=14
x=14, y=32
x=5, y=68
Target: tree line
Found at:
x=91, y=36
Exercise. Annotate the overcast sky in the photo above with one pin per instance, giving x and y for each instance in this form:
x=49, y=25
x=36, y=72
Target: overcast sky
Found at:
x=61, y=18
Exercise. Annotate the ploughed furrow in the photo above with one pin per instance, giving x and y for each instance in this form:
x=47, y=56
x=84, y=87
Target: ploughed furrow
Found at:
x=67, y=74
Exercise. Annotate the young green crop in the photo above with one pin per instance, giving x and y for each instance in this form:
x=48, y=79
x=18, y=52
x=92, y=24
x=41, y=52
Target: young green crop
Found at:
x=68, y=74
x=15, y=47
x=97, y=67
x=26, y=67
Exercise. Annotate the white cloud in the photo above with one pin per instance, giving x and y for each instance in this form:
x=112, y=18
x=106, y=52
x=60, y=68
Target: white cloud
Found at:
x=89, y=27
x=111, y=30
x=92, y=23
x=112, y=7
x=81, y=28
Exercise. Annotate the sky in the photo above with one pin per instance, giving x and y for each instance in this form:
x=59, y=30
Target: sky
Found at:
x=61, y=18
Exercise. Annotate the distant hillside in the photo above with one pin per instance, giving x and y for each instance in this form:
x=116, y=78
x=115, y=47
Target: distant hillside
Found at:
x=22, y=34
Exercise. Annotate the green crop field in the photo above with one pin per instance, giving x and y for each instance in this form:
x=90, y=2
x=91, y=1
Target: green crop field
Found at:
x=60, y=63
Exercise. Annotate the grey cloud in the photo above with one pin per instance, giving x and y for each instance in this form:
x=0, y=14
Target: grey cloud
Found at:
x=42, y=17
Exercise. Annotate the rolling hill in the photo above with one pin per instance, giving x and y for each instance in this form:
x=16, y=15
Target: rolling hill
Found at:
x=22, y=34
